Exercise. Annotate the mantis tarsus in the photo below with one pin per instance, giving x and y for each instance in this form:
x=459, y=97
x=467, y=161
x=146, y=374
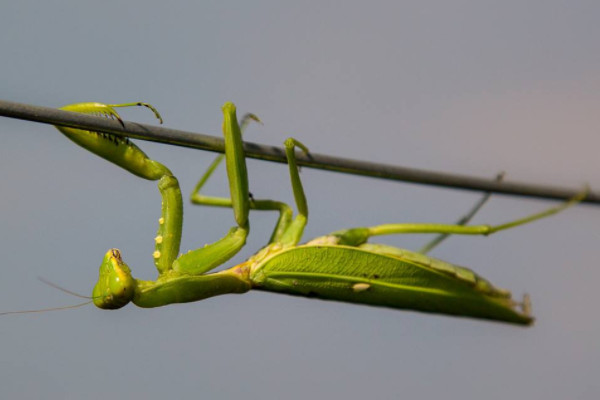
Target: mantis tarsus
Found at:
x=340, y=266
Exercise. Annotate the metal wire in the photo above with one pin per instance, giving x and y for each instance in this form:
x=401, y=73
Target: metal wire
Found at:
x=264, y=152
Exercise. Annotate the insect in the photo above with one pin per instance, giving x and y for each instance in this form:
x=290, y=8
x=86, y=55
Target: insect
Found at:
x=340, y=266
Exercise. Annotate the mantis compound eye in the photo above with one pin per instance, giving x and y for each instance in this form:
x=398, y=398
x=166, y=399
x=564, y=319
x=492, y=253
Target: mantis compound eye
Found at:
x=115, y=286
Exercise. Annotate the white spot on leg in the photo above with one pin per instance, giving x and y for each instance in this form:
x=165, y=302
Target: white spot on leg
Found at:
x=161, y=220
x=360, y=287
x=158, y=239
x=156, y=254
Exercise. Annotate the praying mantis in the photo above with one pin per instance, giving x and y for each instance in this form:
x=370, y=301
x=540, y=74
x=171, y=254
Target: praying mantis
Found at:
x=340, y=266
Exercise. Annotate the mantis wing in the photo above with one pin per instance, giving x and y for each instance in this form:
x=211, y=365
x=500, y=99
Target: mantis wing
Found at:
x=356, y=275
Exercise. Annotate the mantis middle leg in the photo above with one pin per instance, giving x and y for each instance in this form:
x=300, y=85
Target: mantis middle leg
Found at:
x=201, y=260
x=285, y=212
x=286, y=231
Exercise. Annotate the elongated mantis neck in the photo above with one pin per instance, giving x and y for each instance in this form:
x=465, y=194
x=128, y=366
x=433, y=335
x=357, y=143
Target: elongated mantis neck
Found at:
x=176, y=288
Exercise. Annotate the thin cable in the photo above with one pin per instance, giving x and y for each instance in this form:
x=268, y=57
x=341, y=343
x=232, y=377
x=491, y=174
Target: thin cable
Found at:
x=270, y=153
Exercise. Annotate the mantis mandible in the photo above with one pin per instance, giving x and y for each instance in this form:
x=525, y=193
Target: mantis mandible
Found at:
x=339, y=266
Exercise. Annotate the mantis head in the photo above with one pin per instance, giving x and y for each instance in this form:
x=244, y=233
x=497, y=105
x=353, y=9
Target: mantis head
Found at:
x=115, y=287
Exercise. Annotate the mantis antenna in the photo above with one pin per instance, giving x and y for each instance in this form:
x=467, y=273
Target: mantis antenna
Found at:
x=62, y=289
x=43, y=310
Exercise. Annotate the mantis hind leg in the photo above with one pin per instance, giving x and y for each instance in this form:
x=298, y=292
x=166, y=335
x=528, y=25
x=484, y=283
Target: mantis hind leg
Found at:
x=461, y=221
x=358, y=236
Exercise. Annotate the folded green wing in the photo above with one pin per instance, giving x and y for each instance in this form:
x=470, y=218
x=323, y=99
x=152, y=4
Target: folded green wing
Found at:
x=380, y=278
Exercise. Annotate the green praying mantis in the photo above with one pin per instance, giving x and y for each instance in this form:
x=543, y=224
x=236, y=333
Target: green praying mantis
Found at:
x=340, y=266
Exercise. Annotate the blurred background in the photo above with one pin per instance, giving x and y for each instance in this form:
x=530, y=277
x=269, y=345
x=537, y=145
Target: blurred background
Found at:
x=469, y=87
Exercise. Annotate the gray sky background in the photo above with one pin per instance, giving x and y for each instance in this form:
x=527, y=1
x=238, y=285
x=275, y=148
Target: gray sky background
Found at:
x=471, y=87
